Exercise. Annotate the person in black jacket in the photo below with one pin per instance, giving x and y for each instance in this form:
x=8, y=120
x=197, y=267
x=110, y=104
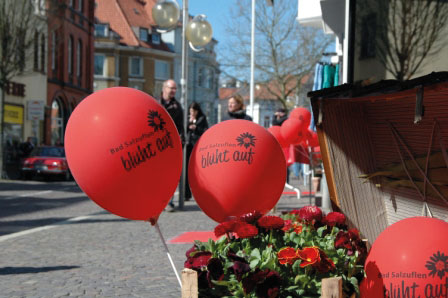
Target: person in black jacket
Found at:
x=197, y=125
x=235, y=109
x=174, y=109
x=280, y=116
x=172, y=106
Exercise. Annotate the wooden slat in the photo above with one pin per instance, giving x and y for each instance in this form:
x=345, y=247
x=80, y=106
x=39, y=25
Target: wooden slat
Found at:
x=332, y=287
x=189, y=283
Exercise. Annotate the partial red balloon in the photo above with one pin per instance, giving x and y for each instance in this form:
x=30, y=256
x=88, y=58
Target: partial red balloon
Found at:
x=313, y=139
x=124, y=151
x=408, y=259
x=276, y=132
x=292, y=130
x=236, y=167
x=301, y=114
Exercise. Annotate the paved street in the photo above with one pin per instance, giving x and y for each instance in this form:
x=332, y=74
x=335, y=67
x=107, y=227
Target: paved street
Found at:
x=68, y=246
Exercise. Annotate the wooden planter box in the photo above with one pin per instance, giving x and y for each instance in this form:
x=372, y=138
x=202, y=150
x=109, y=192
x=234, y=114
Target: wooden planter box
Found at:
x=354, y=125
x=331, y=287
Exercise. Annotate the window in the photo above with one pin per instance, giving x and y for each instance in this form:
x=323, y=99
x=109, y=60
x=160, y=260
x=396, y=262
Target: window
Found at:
x=70, y=3
x=78, y=59
x=36, y=50
x=210, y=79
x=99, y=65
x=80, y=5
x=162, y=71
x=201, y=77
x=368, y=32
x=143, y=34
x=155, y=38
x=101, y=30
x=70, y=55
x=136, y=66
x=53, y=50
x=42, y=53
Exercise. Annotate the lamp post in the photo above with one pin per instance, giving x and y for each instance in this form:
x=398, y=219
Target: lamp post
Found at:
x=199, y=33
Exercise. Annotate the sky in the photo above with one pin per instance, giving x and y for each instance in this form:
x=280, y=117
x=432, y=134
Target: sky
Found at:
x=216, y=12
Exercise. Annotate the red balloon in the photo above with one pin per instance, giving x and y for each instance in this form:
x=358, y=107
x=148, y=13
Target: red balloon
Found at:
x=292, y=130
x=236, y=167
x=408, y=259
x=302, y=114
x=313, y=139
x=124, y=151
x=276, y=132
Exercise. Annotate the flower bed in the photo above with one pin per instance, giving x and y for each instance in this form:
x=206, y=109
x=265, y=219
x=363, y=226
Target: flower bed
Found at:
x=278, y=256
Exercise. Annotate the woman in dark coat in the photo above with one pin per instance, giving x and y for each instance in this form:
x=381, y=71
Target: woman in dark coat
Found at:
x=235, y=109
x=197, y=125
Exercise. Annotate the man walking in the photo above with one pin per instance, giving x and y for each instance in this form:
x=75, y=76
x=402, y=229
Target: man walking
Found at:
x=176, y=112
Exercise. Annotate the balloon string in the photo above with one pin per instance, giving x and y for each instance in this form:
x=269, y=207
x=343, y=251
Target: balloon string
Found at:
x=168, y=253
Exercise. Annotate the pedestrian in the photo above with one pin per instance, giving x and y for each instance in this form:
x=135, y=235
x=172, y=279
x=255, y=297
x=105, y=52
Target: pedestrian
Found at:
x=280, y=116
x=197, y=125
x=235, y=109
x=174, y=109
x=26, y=147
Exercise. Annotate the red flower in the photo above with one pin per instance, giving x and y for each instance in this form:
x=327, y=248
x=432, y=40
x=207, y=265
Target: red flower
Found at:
x=334, y=219
x=310, y=213
x=225, y=227
x=251, y=217
x=295, y=226
x=287, y=226
x=308, y=255
x=271, y=222
x=350, y=240
x=245, y=230
x=287, y=255
x=325, y=264
x=266, y=283
x=198, y=260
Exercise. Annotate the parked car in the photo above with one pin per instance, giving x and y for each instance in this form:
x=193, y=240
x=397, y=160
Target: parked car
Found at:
x=48, y=161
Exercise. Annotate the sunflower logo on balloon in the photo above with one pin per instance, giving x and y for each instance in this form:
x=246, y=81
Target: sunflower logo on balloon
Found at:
x=438, y=264
x=156, y=121
x=246, y=140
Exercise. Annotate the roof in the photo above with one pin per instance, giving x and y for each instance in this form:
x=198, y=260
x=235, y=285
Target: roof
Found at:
x=381, y=87
x=123, y=15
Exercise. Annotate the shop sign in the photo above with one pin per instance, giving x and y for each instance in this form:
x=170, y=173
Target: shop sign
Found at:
x=13, y=114
x=35, y=110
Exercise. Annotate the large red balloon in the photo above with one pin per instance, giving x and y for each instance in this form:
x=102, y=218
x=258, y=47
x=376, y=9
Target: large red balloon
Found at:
x=276, y=132
x=236, y=167
x=408, y=259
x=301, y=114
x=292, y=130
x=124, y=151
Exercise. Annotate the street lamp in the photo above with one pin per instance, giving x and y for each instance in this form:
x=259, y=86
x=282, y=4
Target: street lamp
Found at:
x=198, y=32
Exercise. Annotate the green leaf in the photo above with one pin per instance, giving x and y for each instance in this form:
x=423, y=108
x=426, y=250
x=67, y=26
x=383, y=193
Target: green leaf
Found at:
x=254, y=263
x=321, y=230
x=255, y=254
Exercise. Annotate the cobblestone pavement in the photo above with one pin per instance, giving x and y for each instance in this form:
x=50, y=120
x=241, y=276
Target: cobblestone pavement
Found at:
x=103, y=255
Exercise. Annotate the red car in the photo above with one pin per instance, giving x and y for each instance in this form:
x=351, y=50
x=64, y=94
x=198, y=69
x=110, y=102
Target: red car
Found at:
x=48, y=161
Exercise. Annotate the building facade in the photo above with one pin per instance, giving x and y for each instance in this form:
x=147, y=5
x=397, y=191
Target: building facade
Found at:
x=70, y=63
x=129, y=52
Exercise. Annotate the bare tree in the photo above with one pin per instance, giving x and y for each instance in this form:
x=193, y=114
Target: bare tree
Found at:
x=19, y=22
x=406, y=32
x=285, y=51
